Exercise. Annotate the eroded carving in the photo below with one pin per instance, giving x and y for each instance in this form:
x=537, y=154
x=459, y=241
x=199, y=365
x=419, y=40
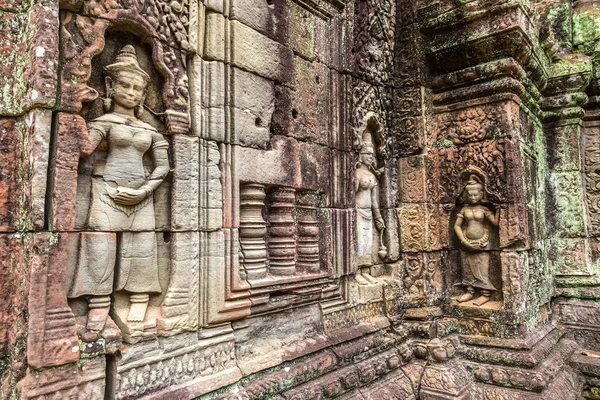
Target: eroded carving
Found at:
x=121, y=207
x=414, y=282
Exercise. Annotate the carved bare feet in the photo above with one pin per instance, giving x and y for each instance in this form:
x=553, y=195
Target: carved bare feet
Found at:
x=138, y=307
x=360, y=279
x=484, y=298
x=481, y=300
x=465, y=297
x=99, y=307
x=363, y=277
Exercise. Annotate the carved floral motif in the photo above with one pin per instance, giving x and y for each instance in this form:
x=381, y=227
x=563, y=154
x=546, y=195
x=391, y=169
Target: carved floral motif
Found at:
x=469, y=125
x=488, y=156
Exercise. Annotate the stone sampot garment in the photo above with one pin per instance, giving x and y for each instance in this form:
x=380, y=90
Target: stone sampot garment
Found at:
x=364, y=227
x=137, y=271
x=476, y=269
x=128, y=140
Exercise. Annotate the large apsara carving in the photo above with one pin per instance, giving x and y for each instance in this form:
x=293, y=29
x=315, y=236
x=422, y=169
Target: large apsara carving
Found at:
x=122, y=202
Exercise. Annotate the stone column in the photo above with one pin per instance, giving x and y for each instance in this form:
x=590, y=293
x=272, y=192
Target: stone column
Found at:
x=563, y=113
x=282, y=232
x=253, y=251
x=308, y=235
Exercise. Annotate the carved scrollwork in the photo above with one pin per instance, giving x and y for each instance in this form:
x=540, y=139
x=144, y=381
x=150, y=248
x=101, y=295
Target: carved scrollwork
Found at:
x=160, y=23
x=487, y=156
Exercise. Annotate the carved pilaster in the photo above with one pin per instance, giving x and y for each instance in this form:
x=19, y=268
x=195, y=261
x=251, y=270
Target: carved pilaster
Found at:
x=308, y=235
x=282, y=232
x=253, y=250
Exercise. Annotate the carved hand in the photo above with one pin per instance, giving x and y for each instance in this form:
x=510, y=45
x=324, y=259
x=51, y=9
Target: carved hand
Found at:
x=128, y=197
x=469, y=246
x=379, y=224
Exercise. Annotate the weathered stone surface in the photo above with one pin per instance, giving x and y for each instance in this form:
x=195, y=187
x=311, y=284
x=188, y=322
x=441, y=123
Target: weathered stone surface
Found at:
x=257, y=53
x=15, y=277
x=52, y=339
x=29, y=54
x=25, y=153
x=374, y=199
x=252, y=108
x=302, y=109
x=73, y=141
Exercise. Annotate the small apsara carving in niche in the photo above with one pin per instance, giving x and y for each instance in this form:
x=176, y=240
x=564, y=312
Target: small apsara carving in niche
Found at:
x=472, y=227
x=414, y=281
x=368, y=214
x=121, y=207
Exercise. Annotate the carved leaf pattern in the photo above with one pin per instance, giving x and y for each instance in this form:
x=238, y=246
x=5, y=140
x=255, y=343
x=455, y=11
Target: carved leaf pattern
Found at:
x=489, y=156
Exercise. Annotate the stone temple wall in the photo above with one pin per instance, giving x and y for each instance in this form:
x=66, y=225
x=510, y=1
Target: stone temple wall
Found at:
x=299, y=199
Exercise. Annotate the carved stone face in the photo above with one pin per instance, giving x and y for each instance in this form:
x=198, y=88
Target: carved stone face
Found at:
x=128, y=87
x=414, y=268
x=367, y=159
x=474, y=195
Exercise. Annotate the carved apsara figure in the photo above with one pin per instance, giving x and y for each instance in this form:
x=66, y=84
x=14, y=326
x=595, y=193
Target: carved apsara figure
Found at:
x=368, y=214
x=121, y=207
x=413, y=281
x=472, y=229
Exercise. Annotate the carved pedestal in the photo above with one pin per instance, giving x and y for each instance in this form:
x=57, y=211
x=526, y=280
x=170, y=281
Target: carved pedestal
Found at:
x=282, y=229
x=253, y=228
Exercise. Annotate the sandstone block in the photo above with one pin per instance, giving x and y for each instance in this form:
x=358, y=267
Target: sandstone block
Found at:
x=208, y=104
x=215, y=46
x=252, y=106
x=412, y=220
x=24, y=154
x=257, y=14
x=303, y=110
x=185, y=196
x=72, y=142
x=412, y=177
x=257, y=53
x=14, y=287
x=29, y=57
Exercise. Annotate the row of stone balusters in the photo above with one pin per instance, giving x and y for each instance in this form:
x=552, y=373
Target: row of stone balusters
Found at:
x=290, y=242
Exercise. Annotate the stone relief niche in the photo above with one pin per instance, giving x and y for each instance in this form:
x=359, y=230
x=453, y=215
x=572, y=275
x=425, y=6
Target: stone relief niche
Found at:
x=120, y=206
x=124, y=99
x=285, y=158
x=475, y=226
x=371, y=248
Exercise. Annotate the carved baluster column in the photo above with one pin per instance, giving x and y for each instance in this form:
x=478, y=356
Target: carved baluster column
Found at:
x=253, y=250
x=282, y=232
x=308, y=235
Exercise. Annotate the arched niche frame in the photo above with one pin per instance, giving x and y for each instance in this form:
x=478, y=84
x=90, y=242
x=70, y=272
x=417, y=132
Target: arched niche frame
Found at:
x=160, y=24
x=490, y=200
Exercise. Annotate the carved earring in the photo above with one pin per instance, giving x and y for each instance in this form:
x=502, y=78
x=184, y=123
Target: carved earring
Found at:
x=139, y=109
x=107, y=104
